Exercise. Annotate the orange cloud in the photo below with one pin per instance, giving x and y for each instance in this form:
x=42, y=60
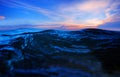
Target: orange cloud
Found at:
x=76, y=27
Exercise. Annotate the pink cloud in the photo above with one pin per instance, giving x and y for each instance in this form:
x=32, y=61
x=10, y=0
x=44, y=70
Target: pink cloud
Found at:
x=2, y=17
x=93, y=5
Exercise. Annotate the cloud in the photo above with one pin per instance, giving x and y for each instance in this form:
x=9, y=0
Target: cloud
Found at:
x=2, y=17
x=88, y=6
x=83, y=11
x=92, y=12
x=113, y=12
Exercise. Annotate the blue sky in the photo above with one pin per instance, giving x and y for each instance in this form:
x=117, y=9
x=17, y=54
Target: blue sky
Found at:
x=73, y=14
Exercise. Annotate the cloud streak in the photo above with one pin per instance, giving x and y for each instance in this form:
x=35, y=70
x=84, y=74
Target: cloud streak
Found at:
x=19, y=4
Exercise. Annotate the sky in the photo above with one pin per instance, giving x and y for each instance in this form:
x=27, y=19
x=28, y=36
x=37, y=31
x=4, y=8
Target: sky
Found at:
x=60, y=14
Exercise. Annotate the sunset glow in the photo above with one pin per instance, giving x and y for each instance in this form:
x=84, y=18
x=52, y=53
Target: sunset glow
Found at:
x=74, y=14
